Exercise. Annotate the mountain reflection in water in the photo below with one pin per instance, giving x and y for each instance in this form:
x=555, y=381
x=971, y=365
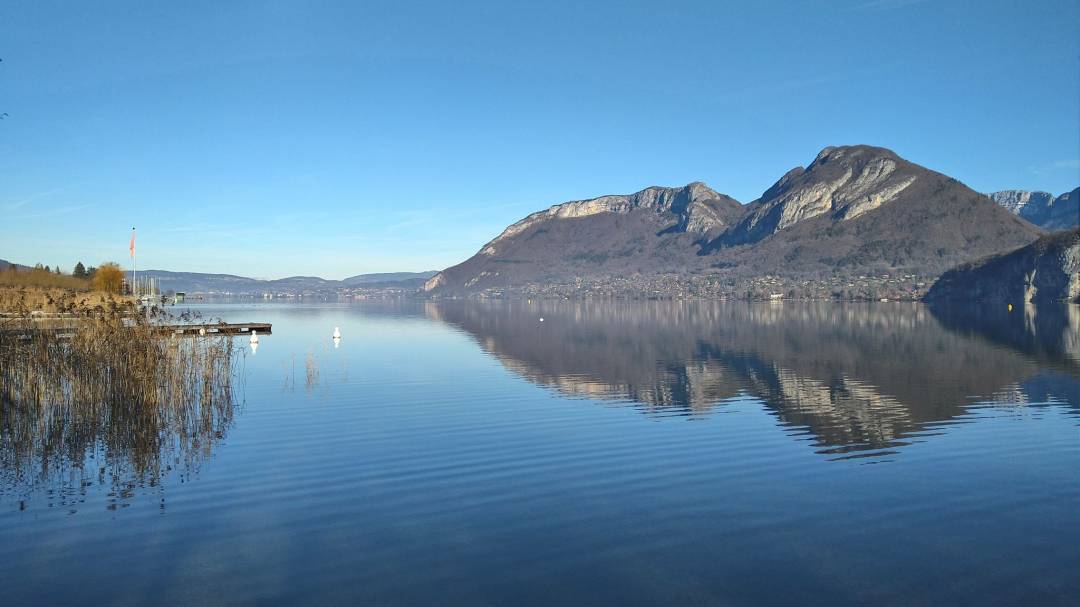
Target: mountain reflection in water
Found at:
x=862, y=380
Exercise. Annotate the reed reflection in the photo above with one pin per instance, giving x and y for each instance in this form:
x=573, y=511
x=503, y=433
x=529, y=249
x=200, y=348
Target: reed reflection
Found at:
x=114, y=406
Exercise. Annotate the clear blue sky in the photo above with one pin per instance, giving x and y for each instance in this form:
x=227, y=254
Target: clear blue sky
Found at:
x=334, y=138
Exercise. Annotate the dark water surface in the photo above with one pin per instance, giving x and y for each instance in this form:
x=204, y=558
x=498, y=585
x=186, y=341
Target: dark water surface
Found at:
x=637, y=453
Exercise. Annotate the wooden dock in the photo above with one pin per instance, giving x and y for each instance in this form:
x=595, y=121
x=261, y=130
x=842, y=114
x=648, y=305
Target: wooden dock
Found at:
x=67, y=329
x=236, y=328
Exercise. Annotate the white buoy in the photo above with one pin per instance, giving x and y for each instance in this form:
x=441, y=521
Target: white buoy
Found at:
x=254, y=337
x=337, y=333
x=541, y=319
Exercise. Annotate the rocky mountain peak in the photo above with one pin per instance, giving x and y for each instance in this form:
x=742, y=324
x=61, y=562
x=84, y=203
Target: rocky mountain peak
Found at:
x=844, y=181
x=697, y=190
x=1017, y=200
x=823, y=155
x=1042, y=208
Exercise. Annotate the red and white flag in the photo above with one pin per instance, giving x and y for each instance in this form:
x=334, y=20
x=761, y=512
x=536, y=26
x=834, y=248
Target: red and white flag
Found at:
x=131, y=245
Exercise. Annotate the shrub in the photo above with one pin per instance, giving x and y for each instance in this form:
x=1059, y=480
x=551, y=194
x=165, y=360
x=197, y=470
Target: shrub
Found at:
x=108, y=278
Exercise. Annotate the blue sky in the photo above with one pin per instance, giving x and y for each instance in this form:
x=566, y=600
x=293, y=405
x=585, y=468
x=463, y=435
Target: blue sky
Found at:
x=335, y=138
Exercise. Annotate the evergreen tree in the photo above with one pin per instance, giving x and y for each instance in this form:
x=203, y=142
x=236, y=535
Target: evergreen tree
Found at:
x=79, y=271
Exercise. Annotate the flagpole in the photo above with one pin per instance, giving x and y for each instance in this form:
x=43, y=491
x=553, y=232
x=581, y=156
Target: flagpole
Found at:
x=133, y=261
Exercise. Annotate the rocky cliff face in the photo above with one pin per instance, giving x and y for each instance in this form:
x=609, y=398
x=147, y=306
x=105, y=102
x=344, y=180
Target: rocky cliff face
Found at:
x=843, y=182
x=1018, y=200
x=1042, y=208
x=1047, y=270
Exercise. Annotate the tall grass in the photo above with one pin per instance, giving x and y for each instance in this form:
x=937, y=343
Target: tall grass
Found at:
x=114, y=400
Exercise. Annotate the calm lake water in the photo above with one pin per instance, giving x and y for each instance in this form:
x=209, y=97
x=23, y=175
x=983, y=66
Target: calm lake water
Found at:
x=613, y=453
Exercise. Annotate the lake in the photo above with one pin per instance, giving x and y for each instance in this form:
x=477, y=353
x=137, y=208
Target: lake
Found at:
x=537, y=453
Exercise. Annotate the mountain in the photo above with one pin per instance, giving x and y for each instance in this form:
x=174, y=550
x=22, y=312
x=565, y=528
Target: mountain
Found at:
x=859, y=210
x=855, y=210
x=1018, y=201
x=388, y=278
x=1042, y=208
x=1043, y=271
x=651, y=229
x=199, y=282
x=5, y=264
x=196, y=282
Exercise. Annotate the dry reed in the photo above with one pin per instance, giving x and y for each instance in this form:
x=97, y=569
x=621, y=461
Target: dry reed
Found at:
x=115, y=390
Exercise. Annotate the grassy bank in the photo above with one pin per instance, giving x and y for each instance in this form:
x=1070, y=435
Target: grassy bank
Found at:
x=21, y=301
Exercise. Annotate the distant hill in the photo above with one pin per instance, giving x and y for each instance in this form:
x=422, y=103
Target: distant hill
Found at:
x=1043, y=271
x=5, y=264
x=196, y=282
x=855, y=210
x=1042, y=208
x=199, y=282
x=388, y=277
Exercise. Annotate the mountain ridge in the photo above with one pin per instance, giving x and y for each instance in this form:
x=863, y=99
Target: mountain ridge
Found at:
x=698, y=207
x=198, y=282
x=854, y=210
x=211, y=282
